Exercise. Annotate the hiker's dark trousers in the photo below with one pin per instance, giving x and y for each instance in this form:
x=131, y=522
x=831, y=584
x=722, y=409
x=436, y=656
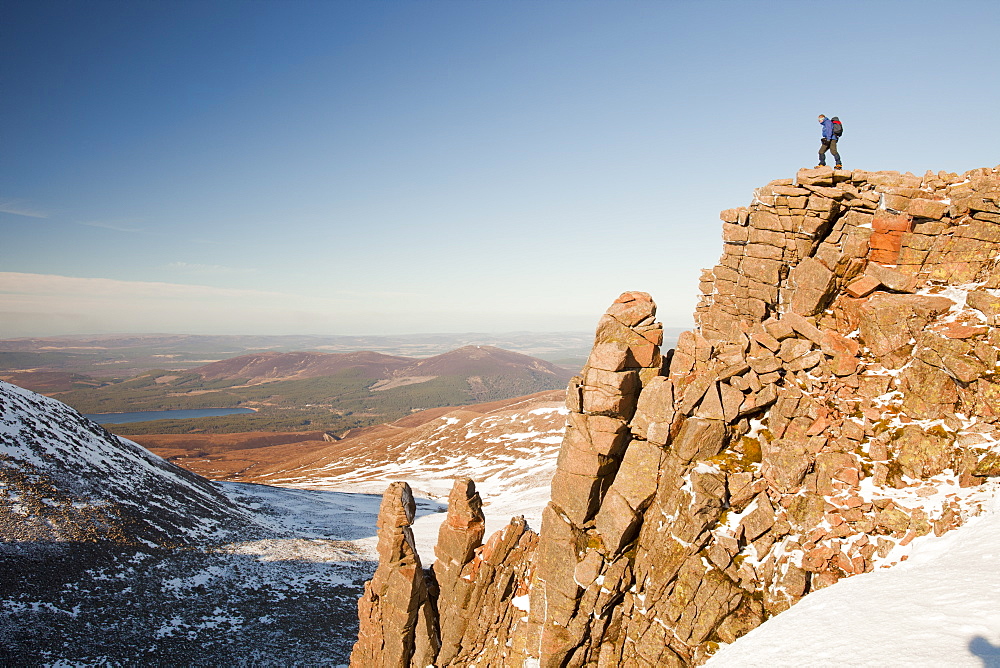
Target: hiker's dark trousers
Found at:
x=828, y=145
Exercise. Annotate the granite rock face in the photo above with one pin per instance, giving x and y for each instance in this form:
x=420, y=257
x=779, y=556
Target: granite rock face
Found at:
x=459, y=537
x=837, y=400
x=398, y=623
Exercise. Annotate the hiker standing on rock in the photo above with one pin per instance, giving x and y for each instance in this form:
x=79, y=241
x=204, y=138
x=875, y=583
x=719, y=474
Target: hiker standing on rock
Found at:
x=832, y=129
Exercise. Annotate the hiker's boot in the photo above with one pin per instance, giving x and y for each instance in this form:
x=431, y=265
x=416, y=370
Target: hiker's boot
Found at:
x=838, y=167
x=819, y=166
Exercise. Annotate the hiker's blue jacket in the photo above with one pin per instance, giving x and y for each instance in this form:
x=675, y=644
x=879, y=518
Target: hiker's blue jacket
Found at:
x=827, y=129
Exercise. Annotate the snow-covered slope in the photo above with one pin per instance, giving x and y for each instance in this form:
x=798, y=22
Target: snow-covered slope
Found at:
x=111, y=556
x=286, y=595
x=64, y=478
x=940, y=607
x=509, y=451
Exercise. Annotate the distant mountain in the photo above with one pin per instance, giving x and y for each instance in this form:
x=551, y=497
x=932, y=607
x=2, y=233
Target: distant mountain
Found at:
x=308, y=391
x=50, y=381
x=484, y=360
x=265, y=367
x=126, y=355
x=487, y=364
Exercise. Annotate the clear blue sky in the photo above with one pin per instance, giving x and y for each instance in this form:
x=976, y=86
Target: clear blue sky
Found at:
x=391, y=166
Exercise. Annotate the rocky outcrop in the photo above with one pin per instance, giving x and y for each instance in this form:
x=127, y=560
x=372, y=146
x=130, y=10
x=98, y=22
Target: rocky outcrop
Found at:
x=459, y=537
x=601, y=485
x=398, y=623
x=836, y=401
x=493, y=601
x=470, y=606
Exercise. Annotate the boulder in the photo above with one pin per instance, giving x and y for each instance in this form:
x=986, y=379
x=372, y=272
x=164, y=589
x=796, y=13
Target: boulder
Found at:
x=863, y=286
x=611, y=393
x=700, y=439
x=618, y=347
x=985, y=303
x=922, y=453
x=655, y=411
x=597, y=434
x=577, y=496
x=633, y=308
x=616, y=522
x=890, y=321
x=893, y=520
x=785, y=463
x=813, y=285
x=758, y=519
x=988, y=466
x=802, y=326
x=951, y=355
x=895, y=280
x=925, y=208
x=821, y=176
x=885, y=221
x=637, y=476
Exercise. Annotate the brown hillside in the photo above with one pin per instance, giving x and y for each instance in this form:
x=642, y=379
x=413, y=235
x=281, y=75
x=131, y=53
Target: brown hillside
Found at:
x=46, y=382
x=262, y=456
x=267, y=367
x=483, y=360
x=491, y=373
x=439, y=446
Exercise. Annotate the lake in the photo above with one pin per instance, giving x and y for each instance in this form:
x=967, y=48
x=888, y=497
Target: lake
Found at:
x=144, y=416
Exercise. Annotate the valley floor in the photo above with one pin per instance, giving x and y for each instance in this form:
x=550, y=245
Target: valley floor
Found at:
x=286, y=597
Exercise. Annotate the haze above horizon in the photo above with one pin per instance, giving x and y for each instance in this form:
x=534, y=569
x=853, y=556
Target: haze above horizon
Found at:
x=390, y=167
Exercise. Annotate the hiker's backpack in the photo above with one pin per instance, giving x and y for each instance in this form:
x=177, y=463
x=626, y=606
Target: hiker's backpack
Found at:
x=838, y=127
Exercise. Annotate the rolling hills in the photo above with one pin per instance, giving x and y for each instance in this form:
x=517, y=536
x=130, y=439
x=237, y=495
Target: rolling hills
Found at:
x=309, y=391
x=83, y=358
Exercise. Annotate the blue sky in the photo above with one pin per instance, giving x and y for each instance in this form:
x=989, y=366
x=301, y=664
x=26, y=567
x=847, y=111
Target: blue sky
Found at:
x=388, y=166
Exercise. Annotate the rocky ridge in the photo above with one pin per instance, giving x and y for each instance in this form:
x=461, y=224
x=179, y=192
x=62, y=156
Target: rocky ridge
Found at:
x=836, y=401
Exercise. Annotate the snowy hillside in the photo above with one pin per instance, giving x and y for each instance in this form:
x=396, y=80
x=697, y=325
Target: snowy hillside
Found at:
x=286, y=595
x=940, y=607
x=510, y=452
x=111, y=556
x=62, y=477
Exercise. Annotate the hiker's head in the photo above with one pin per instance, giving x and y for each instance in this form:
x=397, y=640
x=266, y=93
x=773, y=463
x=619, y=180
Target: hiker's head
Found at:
x=822, y=118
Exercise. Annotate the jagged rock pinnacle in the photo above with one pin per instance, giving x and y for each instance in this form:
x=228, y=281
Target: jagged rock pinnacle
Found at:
x=843, y=371
x=398, y=623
